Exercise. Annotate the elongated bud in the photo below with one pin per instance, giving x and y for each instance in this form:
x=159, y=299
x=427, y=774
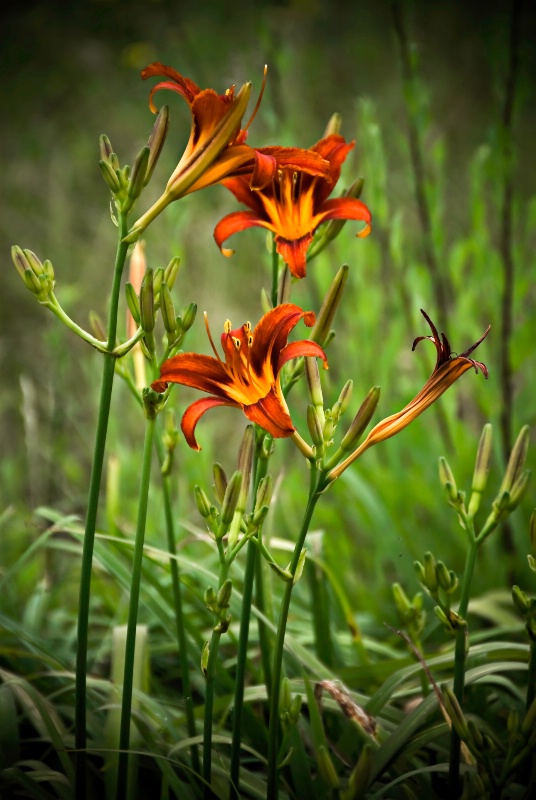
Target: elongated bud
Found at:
x=483, y=460
x=430, y=572
x=264, y=492
x=516, y=461
x=133, y=302
x=34, y=262
x=230, y=499
x=299, y=567
x=443, y=576
x=20, y=260
x=401, y=599
x=453, y=709
x=167, y=309
x=285, y=697
x=205, y=654
x=224, y=595
x=313, y=382
x=188, y=316
x=158, y=279
x=220, y=481
x=322, y=327
x=97, y=326
x=202, y=502
x=171, y=271
x=334, y=124
x=147, y=315
x=266, y=303
x=156, y=141
x=210, y=599
x=245, y=465
x=105, y=147
x=343, y=402
x=32, y=281
x=518, y=490
x=49, y=271
x=419, y=569
x=521, y=601
x=361, y=420
x=326, y=767
x=139, y=171
x=448, y=482
x=295, y=708
x=110, y=177
x=316, y=428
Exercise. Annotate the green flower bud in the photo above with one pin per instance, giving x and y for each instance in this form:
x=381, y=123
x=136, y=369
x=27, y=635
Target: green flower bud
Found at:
x=210, y=599
x=220, y=481
x=156, y=141
x=482, y=465
x=188, y=316
x=114, y=163
x=520, y=599
x=137, y=176
x=34, y=262
x=324, y=320
x=264, y=492
x=299, y=567
x=147, y=315
x=315, y=389
x=518, y=490
x=224, y=595
x=245, y=465
x=167, y=309
x=516, y=461
x=334, y=124
x=343, y=402
x=361, y=420
x=401, y=599
x=430, y=572
x=49, y=271
x=32, y=282
x=448, y=482
x=446, y=578
x=110, y=177
x=285, y=697
x=453, y=709
x=97, y=326
x=314, y=423
x=158, y=278
x=171, y=271
x=20, y=260
x=205, y=653
x=230, y=499
x=133, y=302
x=202, y=502
x=295, y=708
x=105, y=147
x=419, y=569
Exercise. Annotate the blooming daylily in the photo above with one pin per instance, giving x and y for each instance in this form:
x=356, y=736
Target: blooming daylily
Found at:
x=447, y=370
x=294, y=204
x=217, y=146
x=249, y=378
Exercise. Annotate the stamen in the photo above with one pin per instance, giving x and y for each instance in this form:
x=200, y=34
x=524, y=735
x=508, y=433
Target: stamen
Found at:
x=247, y=326
x=236, y=342
x=258, y=101
x=227, y=326
x=205, y=315
x=250, y=340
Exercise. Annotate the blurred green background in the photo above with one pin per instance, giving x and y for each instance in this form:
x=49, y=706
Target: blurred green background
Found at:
x=71, y=72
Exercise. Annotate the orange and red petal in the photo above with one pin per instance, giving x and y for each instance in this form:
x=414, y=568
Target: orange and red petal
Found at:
x=271, y=414
x=294, y=253
x=346, y=208
x=198, y=371
x=334, y=150
x=271, y=334
x=193, y=414
x=240, y=187
x=297, y=349
x=208, y=110
x=298, y=159
x=177, y=83
x=234, y=223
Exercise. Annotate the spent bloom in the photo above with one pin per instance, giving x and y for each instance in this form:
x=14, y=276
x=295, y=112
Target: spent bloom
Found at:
x=249, y=378
x=447, y=370
x=217, y=146
x=294, y=203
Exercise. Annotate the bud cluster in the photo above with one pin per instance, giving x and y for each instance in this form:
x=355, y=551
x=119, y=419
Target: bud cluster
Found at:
x=38, y=276
x=410, y=611
x=440, y=583
x=289, y=706
x=218, y=603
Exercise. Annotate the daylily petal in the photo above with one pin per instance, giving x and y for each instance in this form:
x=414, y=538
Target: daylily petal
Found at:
x=198, y=371
x=178, y=83
x=233, y=223
x=298, y=159
x=271, y=414
x=296, y=349
x=271, y=334
x=346, y=208
x=294, y=253
x=193, y=414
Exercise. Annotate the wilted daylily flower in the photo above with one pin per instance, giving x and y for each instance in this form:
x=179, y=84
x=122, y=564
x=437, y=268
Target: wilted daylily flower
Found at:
x=294, y=204
x=249, y=378
x=448, y=369
x=217, y=145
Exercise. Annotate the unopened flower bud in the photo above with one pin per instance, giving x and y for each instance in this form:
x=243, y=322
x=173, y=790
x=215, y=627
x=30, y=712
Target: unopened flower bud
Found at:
x=264, y=492
x=202, y=502
x=188, y=316
x=32, y=281
x=245, y=465
x=361, y=420
x=105, y=147
x=419, y=569
x=171, y=271
x=147, y=315
x=316, y=428
x=97, y=326
x=158, y=279
x=430, y=572
x=483, y=460
x=210, y=599
x=133, y=302
x=455, y=712
x=266, y=303
x=205, y=654
x=334, y=124
x=448, y=482
x=230, y=499
x=299, y=567
x=401, y=599
x=224, y=595
x=521, y=601
x=313, y=382
x=220, y=481
x=19, y=259
x=518, y=489
x=167, y=309
x=137, y=176
x=343, y=402
x=324, y=320
x=49, y=271
x=156, y=141
x=110, y=176
x=34, y=262
x=516, y=461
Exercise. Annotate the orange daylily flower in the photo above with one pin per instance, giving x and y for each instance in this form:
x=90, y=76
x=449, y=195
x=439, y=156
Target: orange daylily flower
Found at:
x=448, y=369
x=294, y=204
x=217, y=146
x=249, y=378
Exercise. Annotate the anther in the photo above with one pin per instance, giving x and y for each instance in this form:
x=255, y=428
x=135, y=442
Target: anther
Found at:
x=227, y=326
x=236, y=342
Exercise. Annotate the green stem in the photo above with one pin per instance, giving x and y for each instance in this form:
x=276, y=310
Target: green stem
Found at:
x=259, y=469
x=179, y=615
x=91, y=518
x=272, y=788
x=210, y=678
x=126, y=699
x=531, y=687
x=459, y=657
x=275, y=273
x=56, y=309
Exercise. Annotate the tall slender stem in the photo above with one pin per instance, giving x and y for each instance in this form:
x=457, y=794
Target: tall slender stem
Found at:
x=275, y=274
x=259, y=471
x=91, y=518
x=272, y=788
x=459, y=659
x=179, y=615
x=126, y=699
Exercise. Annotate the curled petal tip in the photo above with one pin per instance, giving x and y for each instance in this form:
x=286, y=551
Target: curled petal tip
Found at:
x=227, y=251
x=365, y=232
